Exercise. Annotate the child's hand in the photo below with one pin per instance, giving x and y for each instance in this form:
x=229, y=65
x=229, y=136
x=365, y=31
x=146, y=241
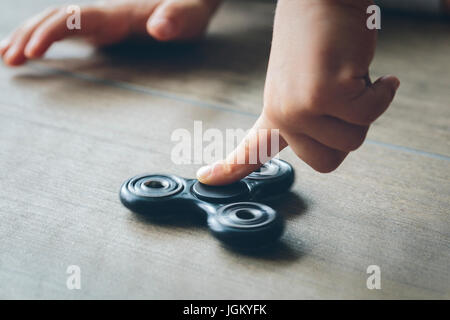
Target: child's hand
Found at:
x=317, y=93
x=109, y=22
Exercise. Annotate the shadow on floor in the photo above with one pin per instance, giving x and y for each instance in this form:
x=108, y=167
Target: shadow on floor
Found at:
x=279, y=251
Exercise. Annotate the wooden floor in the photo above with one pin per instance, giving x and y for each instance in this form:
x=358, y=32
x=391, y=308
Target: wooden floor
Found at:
x=75, y=125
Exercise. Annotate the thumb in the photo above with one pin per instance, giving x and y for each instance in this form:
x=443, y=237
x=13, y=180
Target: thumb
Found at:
x=373, y=101
x=260, y=144
x=179, y=20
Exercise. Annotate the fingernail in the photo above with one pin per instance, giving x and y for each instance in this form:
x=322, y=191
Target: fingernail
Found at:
x=4, y=43
x=30, y=48
x=204, y=172
x=10, y=53
x=165, y=27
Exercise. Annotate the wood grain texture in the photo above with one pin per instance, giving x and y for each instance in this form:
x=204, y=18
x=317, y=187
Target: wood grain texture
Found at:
x=74, y=126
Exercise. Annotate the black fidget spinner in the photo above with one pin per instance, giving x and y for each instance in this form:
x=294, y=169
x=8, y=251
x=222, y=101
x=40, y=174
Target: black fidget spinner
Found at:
x=230, y=215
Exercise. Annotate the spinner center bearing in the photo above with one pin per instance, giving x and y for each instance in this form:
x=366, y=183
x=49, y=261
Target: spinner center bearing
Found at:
x=221, y=194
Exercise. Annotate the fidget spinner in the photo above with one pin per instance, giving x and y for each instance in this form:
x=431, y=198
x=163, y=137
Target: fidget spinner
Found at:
x=231, y=212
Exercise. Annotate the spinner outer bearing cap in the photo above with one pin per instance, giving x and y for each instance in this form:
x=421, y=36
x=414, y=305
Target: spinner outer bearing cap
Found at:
x=153, y=194
x=246, y=224
x=276, y=175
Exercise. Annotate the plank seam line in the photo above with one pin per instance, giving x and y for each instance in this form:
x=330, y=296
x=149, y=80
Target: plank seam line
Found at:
x=195, y=102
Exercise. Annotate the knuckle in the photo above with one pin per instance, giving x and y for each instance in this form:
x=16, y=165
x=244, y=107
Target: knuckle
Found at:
x=356, y=140
x=326, y=167
x=329, y=163
x=287, y=111
x=353, y=144
x=291, y=110
x=291, y=106
x=366, y=118
x=312, y=99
